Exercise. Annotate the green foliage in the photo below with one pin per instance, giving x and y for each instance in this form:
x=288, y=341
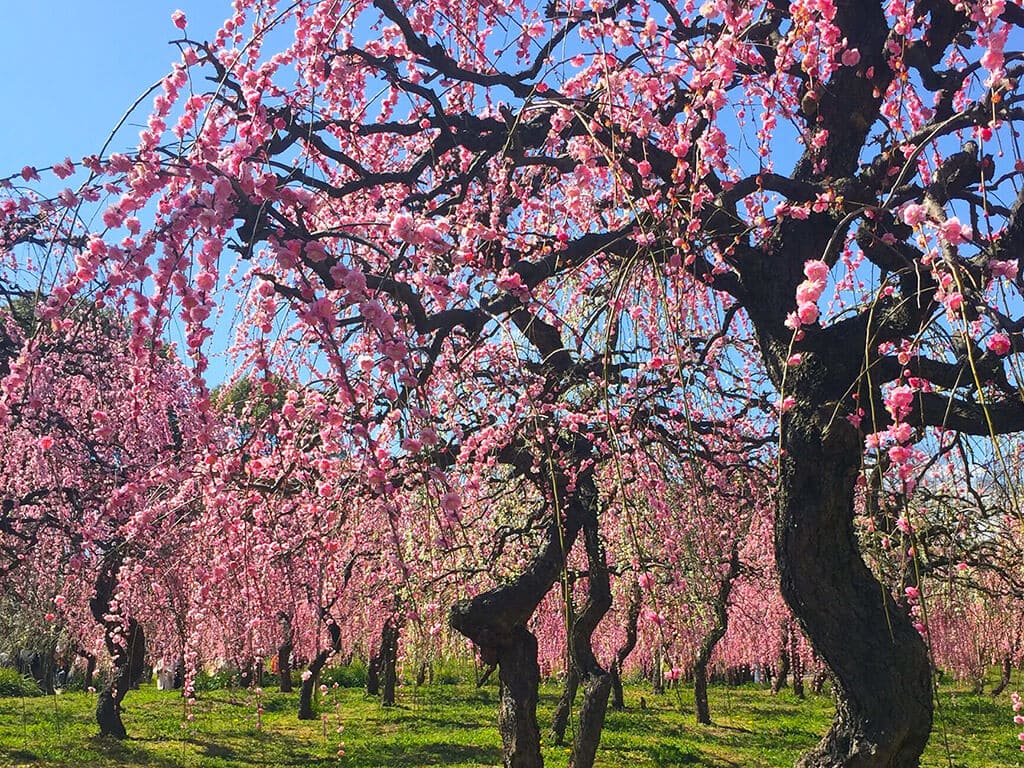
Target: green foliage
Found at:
x=245, y=394
x=351, y=675
x=216, y=681
x=14, y=684
x=454, y=726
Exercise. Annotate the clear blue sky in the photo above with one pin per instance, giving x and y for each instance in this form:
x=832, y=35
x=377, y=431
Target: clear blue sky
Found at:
x=70, y=68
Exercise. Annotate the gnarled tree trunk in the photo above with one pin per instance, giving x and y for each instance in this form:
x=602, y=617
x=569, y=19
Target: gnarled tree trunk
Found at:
x=716, y=633
x=632, y=618
x=126, y=644
x=284, y=652
x=311, y=680
x=495, y=621
x=560, y=721
x=878, y=661
x=595, y=679
x=519, y=675
x=1004, y=679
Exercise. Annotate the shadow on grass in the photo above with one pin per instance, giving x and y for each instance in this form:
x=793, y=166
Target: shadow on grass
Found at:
x=129, y=752
x=211, y=749
x=406, y=756
x=19, y=756
x=669, y=755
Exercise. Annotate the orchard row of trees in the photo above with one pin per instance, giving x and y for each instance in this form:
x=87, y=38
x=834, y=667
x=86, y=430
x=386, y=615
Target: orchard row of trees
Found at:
x=543, y=324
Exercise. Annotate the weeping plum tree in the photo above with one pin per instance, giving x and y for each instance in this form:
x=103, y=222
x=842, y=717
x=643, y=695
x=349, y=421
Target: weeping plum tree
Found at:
x=417, y=190
x=96, y=459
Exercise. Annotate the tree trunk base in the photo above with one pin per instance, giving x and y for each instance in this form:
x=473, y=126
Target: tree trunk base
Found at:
x=592, y=713
x=108, y=715
x=519, y=674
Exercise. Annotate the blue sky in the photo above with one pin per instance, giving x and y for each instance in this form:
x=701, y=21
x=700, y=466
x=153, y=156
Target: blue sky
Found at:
x=70, y=69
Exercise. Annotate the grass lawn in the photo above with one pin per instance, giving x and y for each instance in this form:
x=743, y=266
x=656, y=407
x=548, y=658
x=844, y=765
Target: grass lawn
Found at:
x=454, y=725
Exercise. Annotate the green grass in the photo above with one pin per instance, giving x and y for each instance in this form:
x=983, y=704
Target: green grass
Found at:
x=454, y=725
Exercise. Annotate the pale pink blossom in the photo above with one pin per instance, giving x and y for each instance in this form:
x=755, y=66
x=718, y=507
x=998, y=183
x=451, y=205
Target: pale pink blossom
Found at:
x=816, y=270
x=914, y=214
x=954, y=232
x=808, y=313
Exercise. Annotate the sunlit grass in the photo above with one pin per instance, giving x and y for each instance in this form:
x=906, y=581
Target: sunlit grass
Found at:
x=454, y=725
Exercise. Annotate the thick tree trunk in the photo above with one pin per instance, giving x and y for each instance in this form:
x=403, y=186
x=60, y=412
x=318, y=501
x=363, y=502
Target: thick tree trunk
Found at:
x=126, y=644
x=128, y=662
x=284, y=653
x=618, y=698
x=716, y=633
x=592, y=713
x=560, y=721
x=309, y=684
x=878, y=660
x=519, y=675
x=373, y=675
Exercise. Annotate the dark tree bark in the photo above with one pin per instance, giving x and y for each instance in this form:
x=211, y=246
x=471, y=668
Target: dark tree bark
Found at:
x=782, y=666
x=90, y=667
x=716, y=633
x=560, y=721
x=1005, y=676
x=126, y=644
x=284, y=652
x=818, y=681
x=315, y=667
x=519, y=678
x=595, y=679
x=618, y=695
x=128, y=658
x=389, y=660
x=878, y=660
x=373, y=675
x=632, y=618
x=495, y=621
